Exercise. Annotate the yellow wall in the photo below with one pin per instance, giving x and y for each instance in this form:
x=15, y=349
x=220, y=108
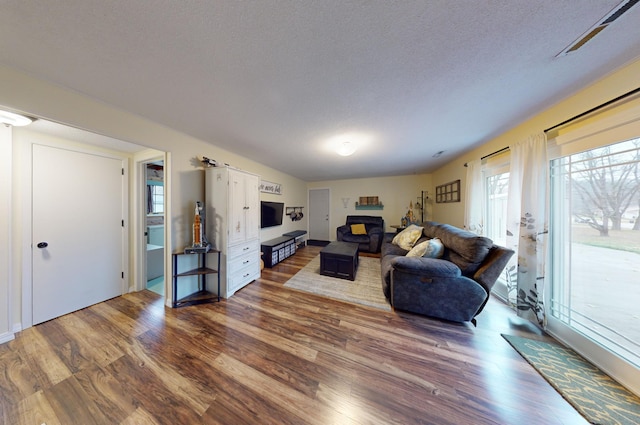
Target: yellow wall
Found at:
x=615, y=84
x=395, y=193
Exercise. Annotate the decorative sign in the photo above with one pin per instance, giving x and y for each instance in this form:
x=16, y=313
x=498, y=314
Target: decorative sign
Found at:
x=369, y=203
x=268, y=187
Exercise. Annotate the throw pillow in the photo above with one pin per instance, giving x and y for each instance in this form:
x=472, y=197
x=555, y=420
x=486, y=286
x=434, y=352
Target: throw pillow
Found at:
x=418, y=250
x=408, y=237
x=433, y=248
x=358, y=229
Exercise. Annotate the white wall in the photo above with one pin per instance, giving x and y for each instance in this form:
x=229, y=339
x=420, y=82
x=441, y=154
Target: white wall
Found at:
x=185, y=181
x=395, y=193
x=6, y=325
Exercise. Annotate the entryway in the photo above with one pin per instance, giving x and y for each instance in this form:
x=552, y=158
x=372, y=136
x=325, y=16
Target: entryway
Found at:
x=319, y=217
x=153, y=186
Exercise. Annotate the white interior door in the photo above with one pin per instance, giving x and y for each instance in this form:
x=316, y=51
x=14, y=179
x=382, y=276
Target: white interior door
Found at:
x=319, y=214
x=77, y=247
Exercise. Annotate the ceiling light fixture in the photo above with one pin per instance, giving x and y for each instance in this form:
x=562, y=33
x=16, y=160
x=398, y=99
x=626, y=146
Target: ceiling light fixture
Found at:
x=16, y=120
x=347, y=149
x=347, y=143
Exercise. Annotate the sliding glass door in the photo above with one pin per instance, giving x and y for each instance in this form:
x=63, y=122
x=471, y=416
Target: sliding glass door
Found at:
x=595, y=252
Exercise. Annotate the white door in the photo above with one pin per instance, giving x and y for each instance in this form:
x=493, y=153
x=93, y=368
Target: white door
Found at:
x=77, y=249
x=319, y=214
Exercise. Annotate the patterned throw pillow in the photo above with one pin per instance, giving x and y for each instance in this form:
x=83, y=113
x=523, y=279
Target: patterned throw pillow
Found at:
x=433, y=248
x=358, y=229
x=408, y=237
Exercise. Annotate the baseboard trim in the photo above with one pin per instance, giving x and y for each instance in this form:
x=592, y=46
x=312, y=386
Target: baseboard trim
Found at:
x=6, y=337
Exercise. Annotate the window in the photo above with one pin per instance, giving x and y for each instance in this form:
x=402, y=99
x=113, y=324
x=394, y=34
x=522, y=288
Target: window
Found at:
x=496, y=191
x=155, y=200
x=595, y=246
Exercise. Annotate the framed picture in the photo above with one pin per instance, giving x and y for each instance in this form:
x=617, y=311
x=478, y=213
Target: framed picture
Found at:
x=448, y=192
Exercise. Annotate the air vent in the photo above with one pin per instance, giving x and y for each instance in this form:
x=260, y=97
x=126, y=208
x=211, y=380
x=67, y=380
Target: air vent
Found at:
x=614, y=14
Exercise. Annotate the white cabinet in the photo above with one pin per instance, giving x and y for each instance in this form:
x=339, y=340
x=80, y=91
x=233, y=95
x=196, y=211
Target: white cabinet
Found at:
x=244, y=200
x=233, y=225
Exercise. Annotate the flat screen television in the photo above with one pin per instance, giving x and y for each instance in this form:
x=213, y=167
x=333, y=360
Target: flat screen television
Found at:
x=271, y=214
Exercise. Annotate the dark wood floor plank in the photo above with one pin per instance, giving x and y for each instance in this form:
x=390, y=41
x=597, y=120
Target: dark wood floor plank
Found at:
x=47, y=367
x=128, y=325
x=272, y=355
x=300, y=328
x=113, y=400
x=269, y=360
x=166, y=406
x=171, y=380
x=34, y=409
x=93, y=346
x=73, y=405
x=190, y=361
x=16, y=379
x=238, y=404
x=140, y=417
x=256, y=332
x=275, y=392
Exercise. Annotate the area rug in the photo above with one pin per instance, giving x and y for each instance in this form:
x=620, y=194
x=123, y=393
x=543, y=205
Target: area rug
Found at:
x=594, y=394
x=365, y=290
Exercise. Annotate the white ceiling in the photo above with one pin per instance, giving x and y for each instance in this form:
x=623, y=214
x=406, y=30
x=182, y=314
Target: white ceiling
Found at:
x=277, y=80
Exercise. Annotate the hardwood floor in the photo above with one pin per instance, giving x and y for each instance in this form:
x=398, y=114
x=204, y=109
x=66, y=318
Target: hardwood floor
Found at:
x=271, y=355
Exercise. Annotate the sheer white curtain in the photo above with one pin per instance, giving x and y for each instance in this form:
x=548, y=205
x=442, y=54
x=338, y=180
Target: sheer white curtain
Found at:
x=474, y=198
x=527, y=226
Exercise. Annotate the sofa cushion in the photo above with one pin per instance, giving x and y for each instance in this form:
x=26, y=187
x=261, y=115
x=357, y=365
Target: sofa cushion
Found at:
x=391, y=249
x=408, y=237
x=385, y=272
x=430, y=229
x=368, y=220
x=426, y=268
x=465, y=249
x=357, y=238
x=431, y=248
x=358, y=229
x=415, y=266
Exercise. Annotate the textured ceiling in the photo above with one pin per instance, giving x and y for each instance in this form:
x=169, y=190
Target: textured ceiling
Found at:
x=278, y=81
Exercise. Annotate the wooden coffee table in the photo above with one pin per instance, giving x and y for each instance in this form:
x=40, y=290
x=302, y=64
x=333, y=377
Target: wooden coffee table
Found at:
x=339, y=259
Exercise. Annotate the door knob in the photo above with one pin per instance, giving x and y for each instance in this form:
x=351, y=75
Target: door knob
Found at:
x=42, y=245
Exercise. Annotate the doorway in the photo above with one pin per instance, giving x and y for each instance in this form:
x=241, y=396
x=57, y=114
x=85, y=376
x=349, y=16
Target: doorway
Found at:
x=154, y=225
x=319, y=217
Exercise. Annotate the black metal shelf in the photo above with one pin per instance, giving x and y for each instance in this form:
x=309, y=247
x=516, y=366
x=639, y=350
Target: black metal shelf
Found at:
x=202, y=271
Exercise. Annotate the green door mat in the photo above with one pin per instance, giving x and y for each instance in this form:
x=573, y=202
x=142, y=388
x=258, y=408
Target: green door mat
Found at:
x=594, y=394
